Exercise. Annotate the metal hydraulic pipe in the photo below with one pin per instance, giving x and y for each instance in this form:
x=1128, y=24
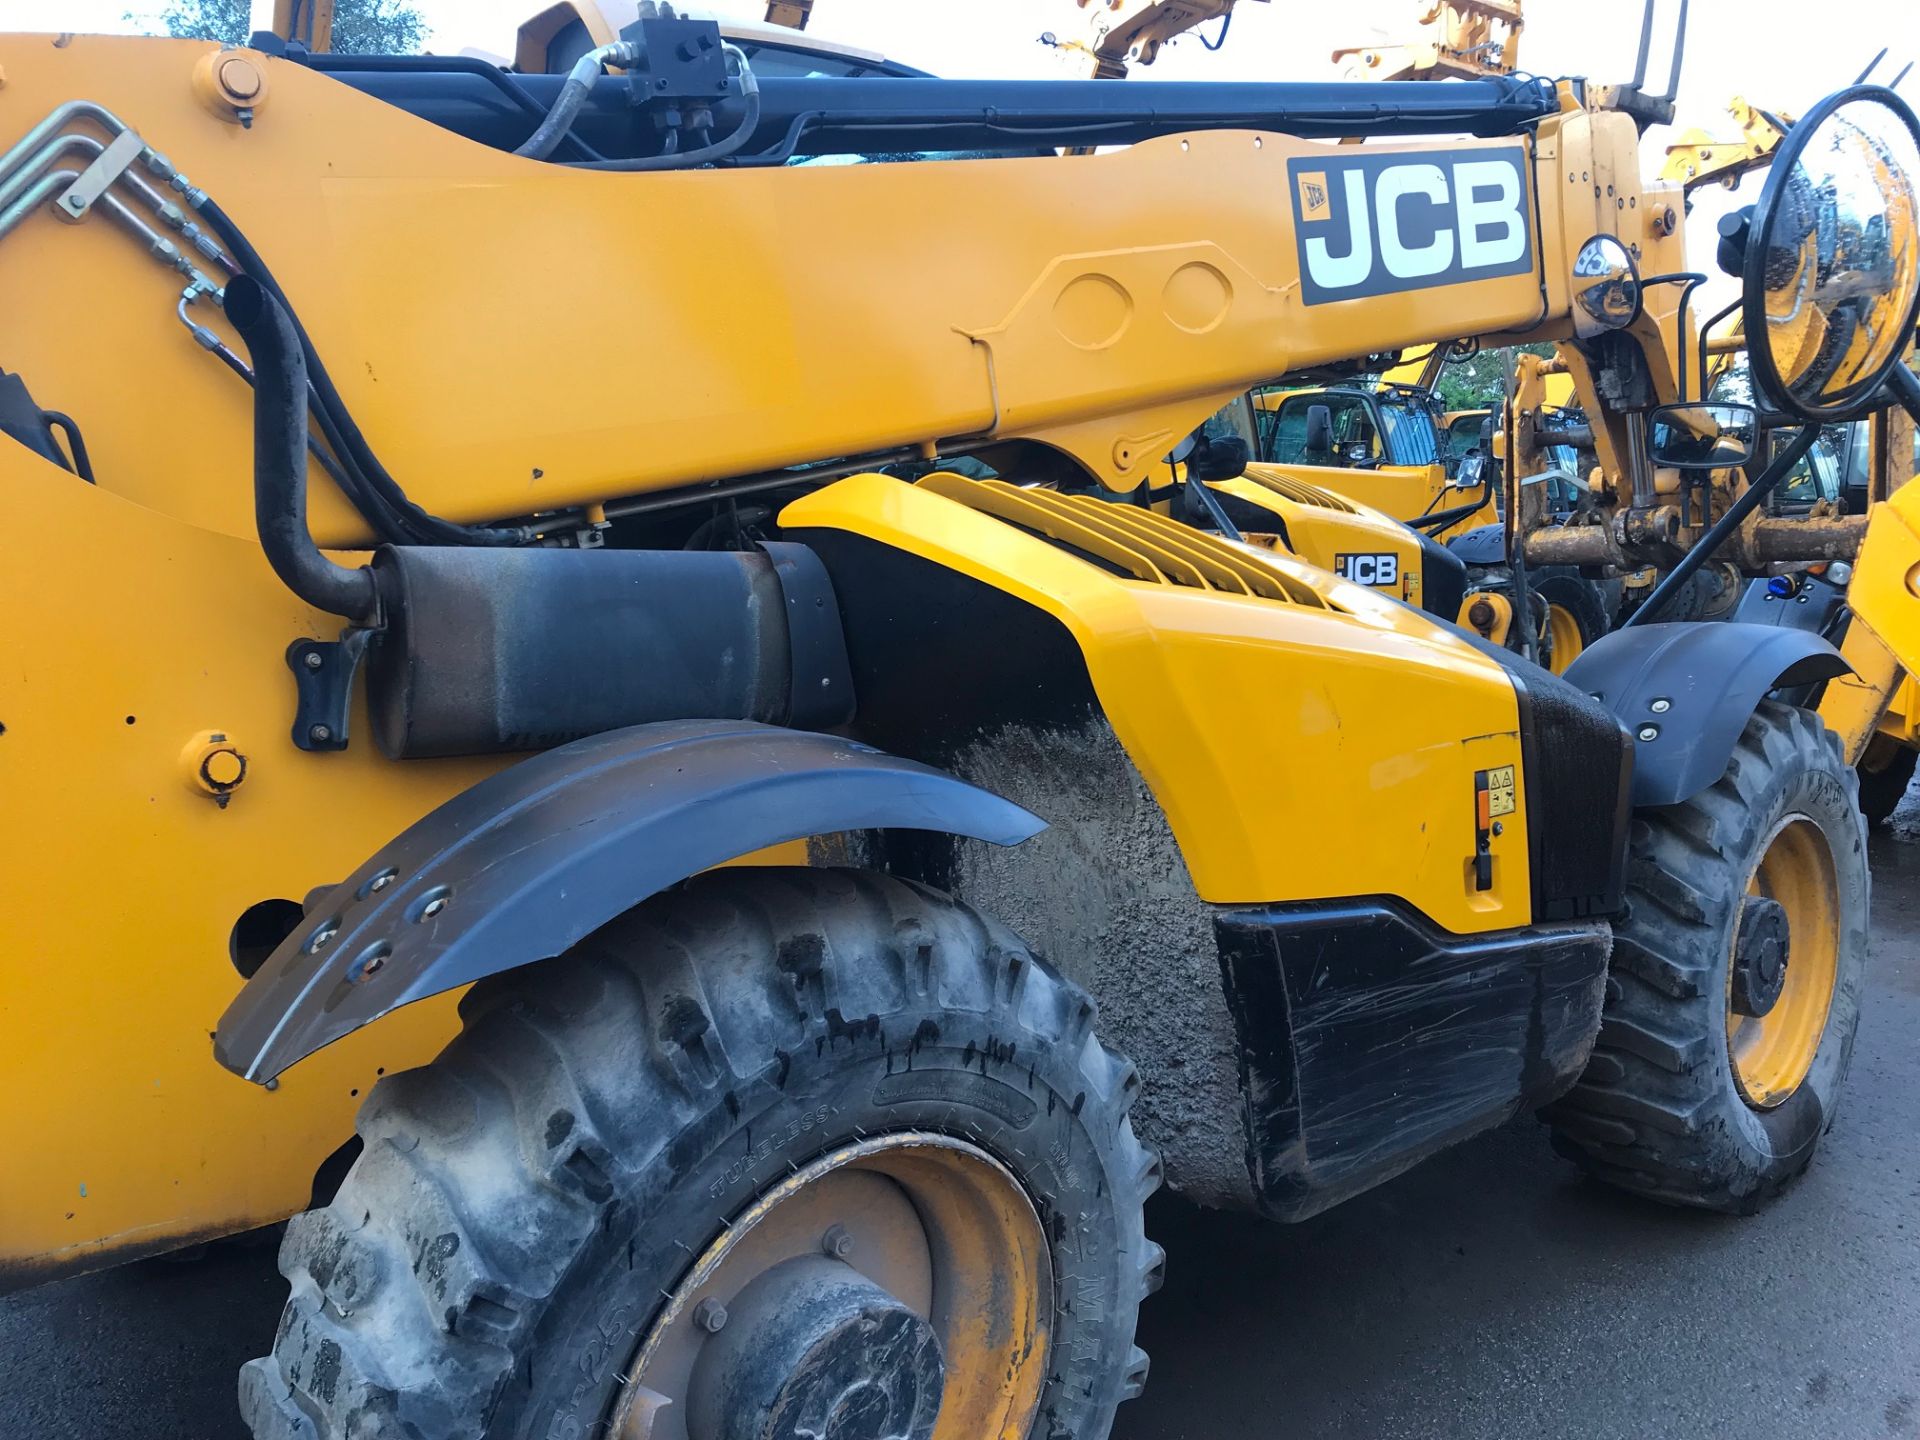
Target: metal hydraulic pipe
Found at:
x=24, y=174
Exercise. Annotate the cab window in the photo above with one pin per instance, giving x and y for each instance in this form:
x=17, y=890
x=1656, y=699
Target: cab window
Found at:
x=1355, y=441
x=1410, y=435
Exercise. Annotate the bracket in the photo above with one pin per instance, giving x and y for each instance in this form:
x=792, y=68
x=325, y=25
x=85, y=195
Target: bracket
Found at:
x=323, y=672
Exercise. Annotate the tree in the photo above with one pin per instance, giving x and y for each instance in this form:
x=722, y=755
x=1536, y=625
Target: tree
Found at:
x=228, y=21
x=360, y=27
x=1477, y=383
x=378, y=27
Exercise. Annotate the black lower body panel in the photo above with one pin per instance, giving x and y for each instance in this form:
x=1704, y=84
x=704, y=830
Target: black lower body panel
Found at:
x=1369, y=1039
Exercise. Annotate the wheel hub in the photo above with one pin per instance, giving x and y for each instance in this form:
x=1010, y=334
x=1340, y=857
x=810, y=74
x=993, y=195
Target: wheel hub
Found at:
x=813, y=1350
x=1759, y=957
x=895, y=1288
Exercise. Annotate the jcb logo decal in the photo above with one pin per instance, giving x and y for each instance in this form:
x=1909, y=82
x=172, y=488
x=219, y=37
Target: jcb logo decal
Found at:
x=1364, y=569
x=1386, y=223
x=1312, y=186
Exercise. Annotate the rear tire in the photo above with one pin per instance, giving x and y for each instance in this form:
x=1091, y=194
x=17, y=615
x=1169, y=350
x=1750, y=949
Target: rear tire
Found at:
x=1581, y=618
x=522, y=1233
x=1883, y=785
x=1664, y=1107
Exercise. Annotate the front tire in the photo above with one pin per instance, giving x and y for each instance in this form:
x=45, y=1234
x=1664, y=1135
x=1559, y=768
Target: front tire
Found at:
x=1689, y=1096
x=779, y=1151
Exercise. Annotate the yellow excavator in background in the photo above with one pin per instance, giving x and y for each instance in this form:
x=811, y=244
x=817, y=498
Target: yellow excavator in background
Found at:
x=1454, y=39
x=1112, y=35
x=655, y=772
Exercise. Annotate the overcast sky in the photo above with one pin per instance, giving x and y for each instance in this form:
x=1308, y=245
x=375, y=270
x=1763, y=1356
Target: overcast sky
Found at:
x=1783, y=54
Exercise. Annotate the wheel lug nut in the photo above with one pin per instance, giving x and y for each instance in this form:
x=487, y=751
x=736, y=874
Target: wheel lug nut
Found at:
x=710, y=1315
x=837, y=1243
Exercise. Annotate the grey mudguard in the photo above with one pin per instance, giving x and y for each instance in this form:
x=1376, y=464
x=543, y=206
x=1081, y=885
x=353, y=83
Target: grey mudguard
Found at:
x=1694, y=685
x=533, y=859
x=1482, y=545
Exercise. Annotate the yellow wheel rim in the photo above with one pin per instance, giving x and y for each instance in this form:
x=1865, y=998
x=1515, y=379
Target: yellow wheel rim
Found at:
x=939, y=1226
x=1564, y=638
x=1772, y=1054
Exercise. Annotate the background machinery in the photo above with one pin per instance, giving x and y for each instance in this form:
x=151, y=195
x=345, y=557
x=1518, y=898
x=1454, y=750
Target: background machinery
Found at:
x=580, y=717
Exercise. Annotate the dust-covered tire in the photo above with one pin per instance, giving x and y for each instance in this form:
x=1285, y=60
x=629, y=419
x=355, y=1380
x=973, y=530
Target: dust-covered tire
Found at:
x=524, y=1202
x=1658, y=1109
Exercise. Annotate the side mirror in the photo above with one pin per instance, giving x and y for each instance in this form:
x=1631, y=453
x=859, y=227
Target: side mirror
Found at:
x=1830, y=272
x=1606, y=288
x=1472, y=465
x=1220, y=457
x=1701, y=437
x=1319, y=430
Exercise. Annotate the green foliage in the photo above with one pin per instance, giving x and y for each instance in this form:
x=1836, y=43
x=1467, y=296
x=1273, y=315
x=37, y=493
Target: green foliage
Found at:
x=228, y=21
x=1476, y=383
x=360, y=27
x=378, y=27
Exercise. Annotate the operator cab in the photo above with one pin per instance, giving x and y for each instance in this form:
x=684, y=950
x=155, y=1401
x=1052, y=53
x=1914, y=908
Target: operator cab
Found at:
x=1365, y=429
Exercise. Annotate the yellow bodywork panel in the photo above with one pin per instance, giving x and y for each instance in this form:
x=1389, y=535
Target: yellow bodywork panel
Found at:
x=518, y=337
x=1885, y=595
x=1403, y=491
x=1366, y=788
x=1322, y=527
x=129, y=635
x=132, y=641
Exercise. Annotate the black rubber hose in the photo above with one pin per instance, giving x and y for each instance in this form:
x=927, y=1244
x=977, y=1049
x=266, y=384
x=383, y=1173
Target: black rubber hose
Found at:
x=688, y=159
x=280, y=459
x=444, y=64
x=76, y=445
x=349, y=445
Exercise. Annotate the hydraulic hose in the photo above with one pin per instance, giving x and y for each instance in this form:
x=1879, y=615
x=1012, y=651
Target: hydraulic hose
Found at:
x=573, y=94
x=280, y=458
x=392, y=513
x=687, y=159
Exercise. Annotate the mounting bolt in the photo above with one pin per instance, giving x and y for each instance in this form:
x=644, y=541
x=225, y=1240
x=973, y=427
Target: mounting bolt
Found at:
x=1649, y=732
x=1660, y=707
x=837, y=1244
x=312, y=660
x=710, y=1315
x=319, y=734
x=433, y=907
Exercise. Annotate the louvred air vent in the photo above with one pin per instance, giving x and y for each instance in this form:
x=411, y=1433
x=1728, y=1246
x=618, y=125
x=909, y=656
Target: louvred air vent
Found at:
x=1127, y=539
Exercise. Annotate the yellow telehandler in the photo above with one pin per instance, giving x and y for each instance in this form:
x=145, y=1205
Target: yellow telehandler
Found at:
x=526, y=753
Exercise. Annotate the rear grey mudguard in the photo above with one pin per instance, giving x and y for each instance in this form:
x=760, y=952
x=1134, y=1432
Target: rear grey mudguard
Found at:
x=1482, y=545
x=1687, y=689
x=535, y=858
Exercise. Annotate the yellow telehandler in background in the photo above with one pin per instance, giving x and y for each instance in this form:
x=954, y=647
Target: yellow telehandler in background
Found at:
x=538, y=681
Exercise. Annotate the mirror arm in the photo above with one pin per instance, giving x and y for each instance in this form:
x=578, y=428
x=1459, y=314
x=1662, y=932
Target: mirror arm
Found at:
x=1215, y=510
x=1703, y=548
x=1688, y=281
x=1434, y=521
x=1711, y=321
x=1905, y=386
